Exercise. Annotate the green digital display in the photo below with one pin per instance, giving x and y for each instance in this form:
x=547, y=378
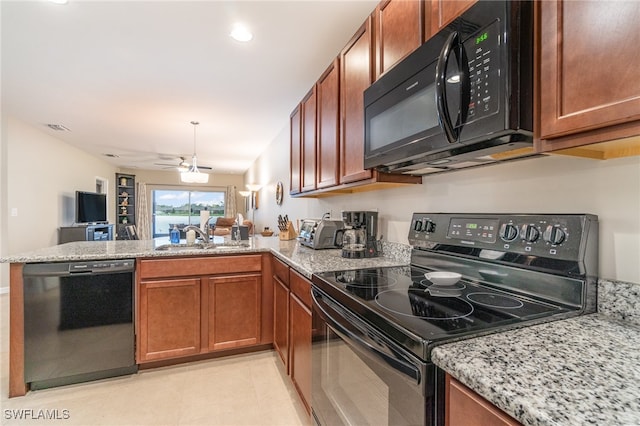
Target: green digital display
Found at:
x=472, y=226
x=482, y=37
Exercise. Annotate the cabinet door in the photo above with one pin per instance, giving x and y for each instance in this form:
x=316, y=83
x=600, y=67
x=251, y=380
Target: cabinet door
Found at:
x=328, y=129
x=295, y=152
x=234, y=311
x=308, y=170
x=589, y=69
x=399, y=31
x=169, y=316
x=300, y=355
x=439, y=13
x=356, y=61
x=281, y=320
x=464, y=407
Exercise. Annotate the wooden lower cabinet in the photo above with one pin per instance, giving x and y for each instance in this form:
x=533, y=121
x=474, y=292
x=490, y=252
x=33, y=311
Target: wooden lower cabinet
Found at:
x=234, y=311
x=300, y=352
x=281, y=320
x=464, y=407
x=169, y=319
x=183, y=316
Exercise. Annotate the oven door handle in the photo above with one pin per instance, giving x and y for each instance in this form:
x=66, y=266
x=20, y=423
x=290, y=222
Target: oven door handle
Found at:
x=397, y=362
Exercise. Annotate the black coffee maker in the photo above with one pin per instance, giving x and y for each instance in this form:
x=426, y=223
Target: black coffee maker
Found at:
x=359, y=237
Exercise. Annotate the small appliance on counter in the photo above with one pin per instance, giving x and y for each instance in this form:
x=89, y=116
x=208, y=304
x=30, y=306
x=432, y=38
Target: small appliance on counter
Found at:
x=319, y=233
x=359, y=238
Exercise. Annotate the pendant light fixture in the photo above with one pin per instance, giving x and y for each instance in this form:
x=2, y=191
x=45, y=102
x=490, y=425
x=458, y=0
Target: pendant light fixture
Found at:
x=193, y=175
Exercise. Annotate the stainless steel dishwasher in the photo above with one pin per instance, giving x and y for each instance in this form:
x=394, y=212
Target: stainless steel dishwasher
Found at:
x=78, y=321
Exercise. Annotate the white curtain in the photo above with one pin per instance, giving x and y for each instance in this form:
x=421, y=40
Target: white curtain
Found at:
x=142, y=213
x=230, y=208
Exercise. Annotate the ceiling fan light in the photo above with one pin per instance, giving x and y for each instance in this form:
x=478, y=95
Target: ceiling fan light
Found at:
x=193, y=175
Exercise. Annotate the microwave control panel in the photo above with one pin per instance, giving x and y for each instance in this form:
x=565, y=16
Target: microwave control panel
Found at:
x=483, y=55
x=561, y=236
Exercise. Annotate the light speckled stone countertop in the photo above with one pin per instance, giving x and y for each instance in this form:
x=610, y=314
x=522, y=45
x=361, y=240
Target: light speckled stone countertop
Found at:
x=305, y=260
x=580, y=371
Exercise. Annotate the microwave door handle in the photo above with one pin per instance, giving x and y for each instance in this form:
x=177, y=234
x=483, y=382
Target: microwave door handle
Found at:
x=441, y=93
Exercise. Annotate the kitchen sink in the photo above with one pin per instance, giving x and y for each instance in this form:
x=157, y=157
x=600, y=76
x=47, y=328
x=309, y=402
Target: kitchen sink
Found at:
x=201, y=246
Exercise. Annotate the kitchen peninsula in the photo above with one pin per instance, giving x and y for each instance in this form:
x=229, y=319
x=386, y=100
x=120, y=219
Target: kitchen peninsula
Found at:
x=156, y=260
x=501, y=368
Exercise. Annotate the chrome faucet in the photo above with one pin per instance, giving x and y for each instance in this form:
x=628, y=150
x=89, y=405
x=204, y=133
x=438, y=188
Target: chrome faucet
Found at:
x=200, y=232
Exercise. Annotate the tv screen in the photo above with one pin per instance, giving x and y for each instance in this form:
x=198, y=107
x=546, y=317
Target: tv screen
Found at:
x=91, y=207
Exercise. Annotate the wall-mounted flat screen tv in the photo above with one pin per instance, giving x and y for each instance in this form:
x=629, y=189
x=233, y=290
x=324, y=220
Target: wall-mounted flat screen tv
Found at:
x=91, y=207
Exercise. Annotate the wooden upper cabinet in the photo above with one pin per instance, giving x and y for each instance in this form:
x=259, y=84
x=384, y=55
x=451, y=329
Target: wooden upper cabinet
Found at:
x=439, y=13
x=295, y=136
x=328, y=148
x=589, y=86
x=308, y=169
x=399, y=31
x=356, y=62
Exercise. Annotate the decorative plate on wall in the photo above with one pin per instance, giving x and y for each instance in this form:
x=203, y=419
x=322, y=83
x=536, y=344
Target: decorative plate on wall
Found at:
x=279, y=193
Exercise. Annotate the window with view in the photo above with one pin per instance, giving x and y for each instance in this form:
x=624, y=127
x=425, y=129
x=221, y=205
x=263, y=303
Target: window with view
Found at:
x=182, y=207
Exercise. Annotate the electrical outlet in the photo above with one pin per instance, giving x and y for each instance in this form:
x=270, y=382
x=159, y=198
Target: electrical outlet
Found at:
x=14, y=211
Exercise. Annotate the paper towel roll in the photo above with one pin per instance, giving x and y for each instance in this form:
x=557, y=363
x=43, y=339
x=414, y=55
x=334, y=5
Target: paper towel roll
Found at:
x=204, y=218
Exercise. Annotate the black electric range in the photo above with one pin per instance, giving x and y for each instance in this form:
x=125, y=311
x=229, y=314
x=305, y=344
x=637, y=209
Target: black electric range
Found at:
x=507, y=278
x=378, y=325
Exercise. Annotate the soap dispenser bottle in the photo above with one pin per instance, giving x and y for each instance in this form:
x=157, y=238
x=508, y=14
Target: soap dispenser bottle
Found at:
x=175, y=235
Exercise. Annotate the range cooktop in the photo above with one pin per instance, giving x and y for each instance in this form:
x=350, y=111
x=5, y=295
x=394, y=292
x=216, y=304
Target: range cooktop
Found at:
x=417, y=312
x=515, y=268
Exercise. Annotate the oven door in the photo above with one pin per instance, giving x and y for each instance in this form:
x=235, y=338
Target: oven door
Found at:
x=360, y=377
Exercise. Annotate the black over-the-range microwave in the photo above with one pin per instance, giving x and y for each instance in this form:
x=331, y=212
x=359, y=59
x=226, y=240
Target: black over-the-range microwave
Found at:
x=464, y=98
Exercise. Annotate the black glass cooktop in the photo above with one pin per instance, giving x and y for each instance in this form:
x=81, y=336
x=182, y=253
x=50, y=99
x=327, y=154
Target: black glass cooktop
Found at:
x=419, y=314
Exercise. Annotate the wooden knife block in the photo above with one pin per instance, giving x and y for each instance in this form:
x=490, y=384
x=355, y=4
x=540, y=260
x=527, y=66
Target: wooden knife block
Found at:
x=289, y=233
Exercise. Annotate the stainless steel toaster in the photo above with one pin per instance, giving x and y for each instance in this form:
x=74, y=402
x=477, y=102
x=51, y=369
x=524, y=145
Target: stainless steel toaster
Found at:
x=318, y=233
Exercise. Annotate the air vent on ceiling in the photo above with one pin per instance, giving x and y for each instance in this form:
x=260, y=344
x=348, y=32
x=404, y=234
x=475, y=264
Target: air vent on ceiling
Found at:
x=58, y=127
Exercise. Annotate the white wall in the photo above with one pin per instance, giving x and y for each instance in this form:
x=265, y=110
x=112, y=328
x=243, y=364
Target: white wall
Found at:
x=554, y=184
x=39, y=177
x=44, y=198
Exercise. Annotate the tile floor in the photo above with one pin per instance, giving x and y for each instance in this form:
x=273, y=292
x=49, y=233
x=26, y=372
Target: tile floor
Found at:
x=239, y=390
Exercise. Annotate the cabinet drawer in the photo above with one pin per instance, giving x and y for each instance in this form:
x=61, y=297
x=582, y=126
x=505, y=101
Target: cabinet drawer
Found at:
x=301, y=287
x=281, y=270
x=185, y=266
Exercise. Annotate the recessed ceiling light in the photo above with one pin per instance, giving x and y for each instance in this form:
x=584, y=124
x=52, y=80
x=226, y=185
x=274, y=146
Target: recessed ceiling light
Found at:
x=59, y=1
x=241, y=33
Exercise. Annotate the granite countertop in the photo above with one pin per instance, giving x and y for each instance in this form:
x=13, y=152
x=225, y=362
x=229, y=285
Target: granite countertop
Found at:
x=579, y=371
x=305, y=260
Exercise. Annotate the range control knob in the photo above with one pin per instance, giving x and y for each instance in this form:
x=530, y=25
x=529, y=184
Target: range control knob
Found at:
x=530, y=233
x=508, y=232
x=554, y=235
x=428, y=226
x=417, y=226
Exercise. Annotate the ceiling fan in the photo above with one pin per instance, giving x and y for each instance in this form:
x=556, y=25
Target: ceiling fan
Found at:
x=181, y=166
